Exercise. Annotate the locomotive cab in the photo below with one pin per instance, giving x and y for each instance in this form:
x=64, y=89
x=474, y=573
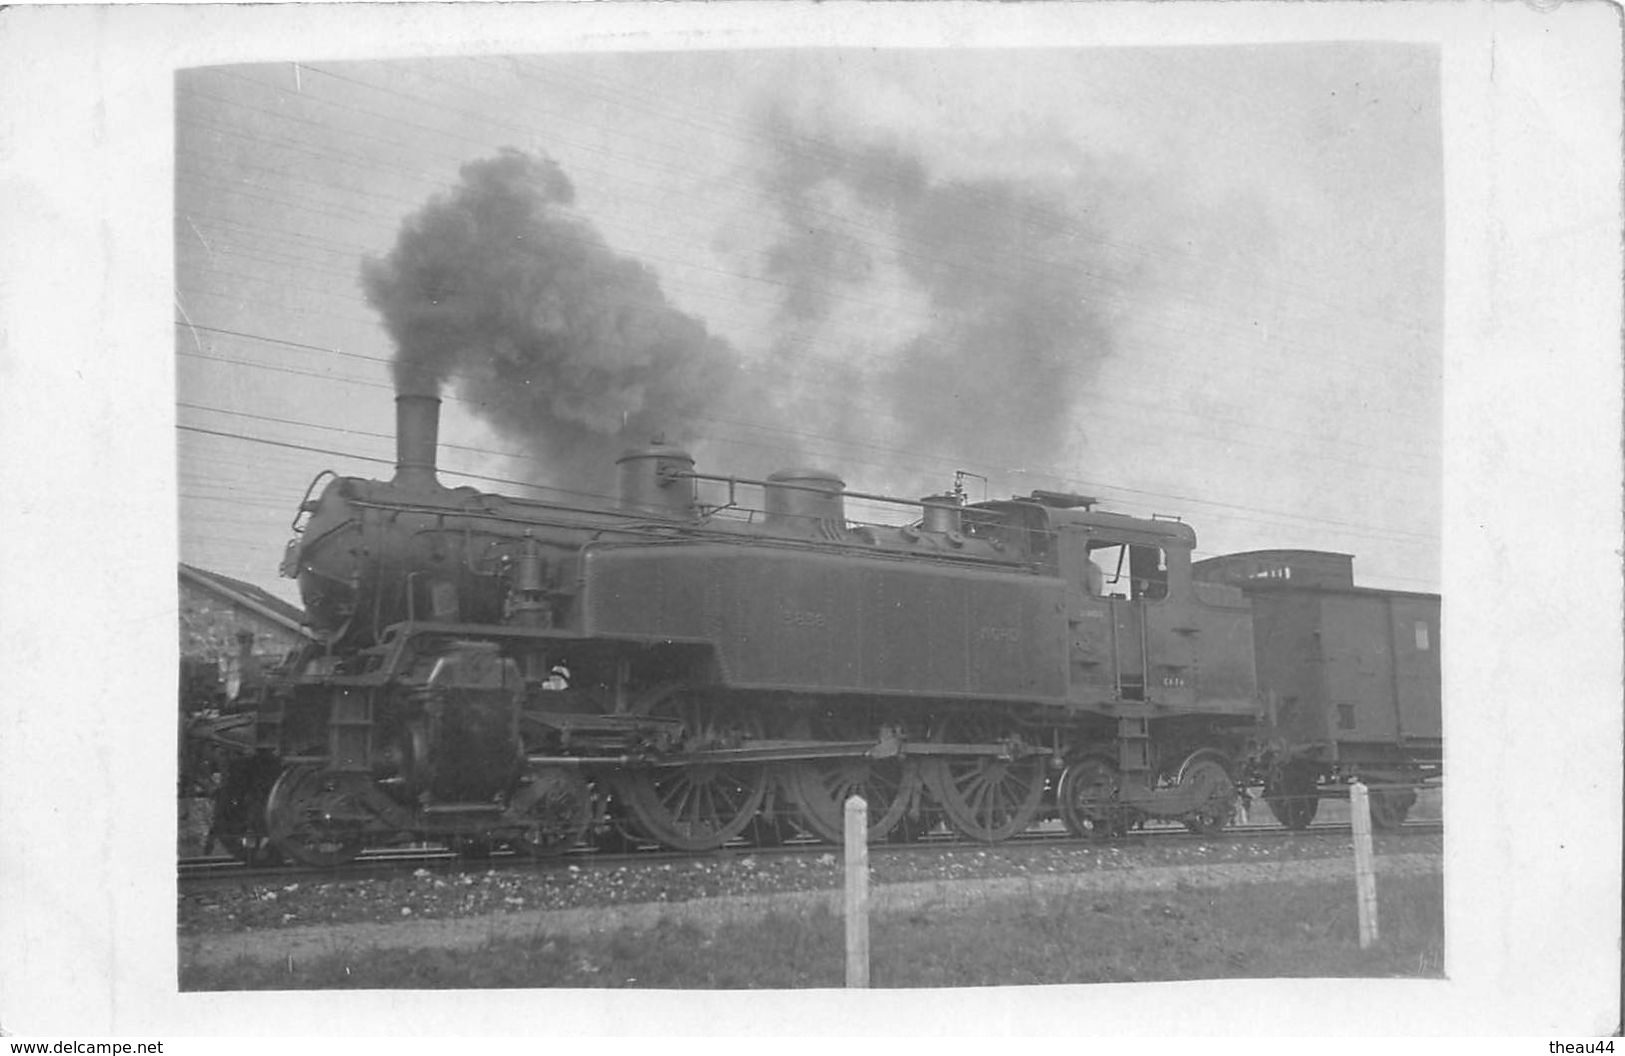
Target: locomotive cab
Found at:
x=1139, y=630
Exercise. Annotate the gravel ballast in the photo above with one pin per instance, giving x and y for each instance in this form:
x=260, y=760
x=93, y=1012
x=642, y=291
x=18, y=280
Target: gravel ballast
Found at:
x=465, y=911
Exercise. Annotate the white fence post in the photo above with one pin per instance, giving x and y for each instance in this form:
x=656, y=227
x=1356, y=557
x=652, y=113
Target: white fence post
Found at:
x=857, y=892
x=1365, y=879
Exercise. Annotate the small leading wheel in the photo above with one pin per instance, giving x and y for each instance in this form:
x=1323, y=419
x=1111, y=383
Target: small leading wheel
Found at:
x=821, y=788
x=1088, y=798
x=1295, y=799
x=1389, y=806
x=986, y=798
x=299, y=814
x=555, y=808
x=1215, y=794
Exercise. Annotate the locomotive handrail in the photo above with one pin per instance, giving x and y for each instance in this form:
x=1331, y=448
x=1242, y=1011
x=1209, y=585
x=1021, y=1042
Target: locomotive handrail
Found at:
x=414, y=628
x=305, y=508
x=788, y=486
x=946, y=557
x=639, y=522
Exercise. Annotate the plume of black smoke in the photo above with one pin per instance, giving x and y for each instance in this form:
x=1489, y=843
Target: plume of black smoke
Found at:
x=1011, y=273
x=500, y=290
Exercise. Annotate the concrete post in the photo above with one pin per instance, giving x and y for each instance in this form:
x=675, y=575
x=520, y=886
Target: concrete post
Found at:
x=857, y=892
x=1365, y=877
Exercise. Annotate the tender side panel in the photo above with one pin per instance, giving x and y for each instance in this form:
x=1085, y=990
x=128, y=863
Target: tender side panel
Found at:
x=788, y=619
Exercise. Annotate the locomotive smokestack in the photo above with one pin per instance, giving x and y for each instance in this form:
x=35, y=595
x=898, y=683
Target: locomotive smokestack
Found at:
x=417, y=435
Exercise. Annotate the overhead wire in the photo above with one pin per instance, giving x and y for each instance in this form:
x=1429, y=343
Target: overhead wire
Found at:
x=599, y=497
x=1161, y=408
x=1238, y=508
x=894, y=309
x=734, y=274
x=837, y=444
x=668, y=281
x=944, y=262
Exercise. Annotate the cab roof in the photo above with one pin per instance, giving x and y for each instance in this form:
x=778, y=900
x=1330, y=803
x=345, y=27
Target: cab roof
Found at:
x=1083, y=515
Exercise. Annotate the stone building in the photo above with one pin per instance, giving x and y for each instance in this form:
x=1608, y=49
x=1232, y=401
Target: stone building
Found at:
x=216, y=614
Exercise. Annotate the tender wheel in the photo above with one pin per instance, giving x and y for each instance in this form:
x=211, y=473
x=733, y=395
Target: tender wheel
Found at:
x=555, y=807
x=702, y=806
x=984, y=797
x=1215, y=792
x=1295, y=799
x=820, y=791
x=1389, y=806
x=1087, y=795
x=299, y=815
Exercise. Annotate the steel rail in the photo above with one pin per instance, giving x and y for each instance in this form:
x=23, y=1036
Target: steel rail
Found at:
x=387, y=862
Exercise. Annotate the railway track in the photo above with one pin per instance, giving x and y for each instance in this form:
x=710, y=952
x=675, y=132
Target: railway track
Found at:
x=385, y=863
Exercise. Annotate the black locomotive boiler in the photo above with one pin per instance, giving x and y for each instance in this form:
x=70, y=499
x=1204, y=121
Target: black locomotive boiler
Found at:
x=493, y=669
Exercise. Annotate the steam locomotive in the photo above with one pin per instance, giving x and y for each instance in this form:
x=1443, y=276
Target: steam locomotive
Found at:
x=500, y=670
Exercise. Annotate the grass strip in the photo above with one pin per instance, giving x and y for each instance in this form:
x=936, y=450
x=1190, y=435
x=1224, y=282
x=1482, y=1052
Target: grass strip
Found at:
x=1259, y=930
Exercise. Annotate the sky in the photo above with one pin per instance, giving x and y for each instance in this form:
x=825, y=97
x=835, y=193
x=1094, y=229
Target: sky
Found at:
x=1200, y=282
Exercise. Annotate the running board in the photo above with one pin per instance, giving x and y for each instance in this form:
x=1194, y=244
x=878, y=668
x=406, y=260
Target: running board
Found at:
x=795, y=751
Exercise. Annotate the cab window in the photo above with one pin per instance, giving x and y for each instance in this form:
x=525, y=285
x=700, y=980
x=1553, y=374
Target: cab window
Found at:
x=1132, y=571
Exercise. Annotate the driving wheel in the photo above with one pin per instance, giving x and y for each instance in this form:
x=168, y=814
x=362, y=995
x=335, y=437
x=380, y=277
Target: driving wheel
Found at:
x=985, y=797
x=697, y=806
